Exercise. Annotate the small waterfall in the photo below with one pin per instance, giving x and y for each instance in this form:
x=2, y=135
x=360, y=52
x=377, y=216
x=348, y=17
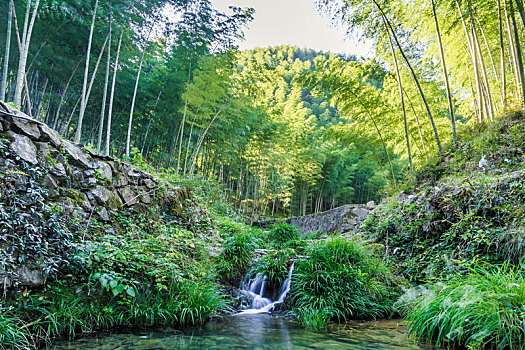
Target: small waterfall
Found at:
x=254, y=289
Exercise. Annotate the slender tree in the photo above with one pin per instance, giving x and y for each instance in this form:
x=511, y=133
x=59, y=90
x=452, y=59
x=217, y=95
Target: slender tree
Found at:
x=63, y=95
x=518, y=52
x=112, y=95
x=83, y=101
x=445, y=74
x=400, y=85
x=6, y=56
x=130, y=123
x=24, y=51
x=105, y=94
x=502, y=59
x=436, y=135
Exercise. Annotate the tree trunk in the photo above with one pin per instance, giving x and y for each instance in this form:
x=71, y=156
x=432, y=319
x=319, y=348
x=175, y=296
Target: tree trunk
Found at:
x=199, y=144
x=489, y=51
x=7, y=49
x=445, y=75
x=153, y=114
x=112, y=95
x=418, y=125
x=83, y=101
x=438, y=142
x=62, y=97
x=478, y=104
x=105, y=93
x=20, y=49
x=513, y=49
x=521, y=10
x=128, y=137
x=400, y=85
x=518, y=52
x=183, y=119
x=477, y=47
x=502, y=54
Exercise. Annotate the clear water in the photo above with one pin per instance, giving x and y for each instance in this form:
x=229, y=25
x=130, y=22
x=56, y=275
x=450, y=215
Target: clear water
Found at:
x=261, y=331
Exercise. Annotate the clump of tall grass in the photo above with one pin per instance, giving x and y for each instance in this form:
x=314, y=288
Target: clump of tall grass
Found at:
x=282, y=233
x=236, y=255
x=13, y=334
x=341, y=279
x=485, y=309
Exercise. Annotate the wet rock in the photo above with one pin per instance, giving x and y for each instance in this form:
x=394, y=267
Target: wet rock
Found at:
x=140, y=208
x=114, y=202
x=361, y=213
x=77, y=156
x=89, y=182
x=89, y=173
x=24, y=148
x=26, y=128
x=85, y=203
x=370, y=205
x=343, y=219
x=67, y=206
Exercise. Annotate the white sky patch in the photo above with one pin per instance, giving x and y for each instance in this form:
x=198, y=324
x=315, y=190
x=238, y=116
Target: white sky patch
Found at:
x=295, y=23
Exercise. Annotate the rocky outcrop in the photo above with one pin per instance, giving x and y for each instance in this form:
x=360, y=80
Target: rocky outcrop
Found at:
x=342, y=219
x=87, y=186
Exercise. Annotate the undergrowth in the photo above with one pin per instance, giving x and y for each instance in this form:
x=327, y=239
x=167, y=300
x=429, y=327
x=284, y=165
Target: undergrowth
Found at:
x=483, y=310
x=342, y=280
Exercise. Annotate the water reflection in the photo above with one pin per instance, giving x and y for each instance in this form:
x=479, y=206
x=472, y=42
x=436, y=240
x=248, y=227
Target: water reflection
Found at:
x=255, y=332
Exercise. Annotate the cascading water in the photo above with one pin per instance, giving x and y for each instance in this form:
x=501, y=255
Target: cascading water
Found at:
x=254, y=289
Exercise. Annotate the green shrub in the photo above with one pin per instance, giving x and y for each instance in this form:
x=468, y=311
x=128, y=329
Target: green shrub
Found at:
x=341, y=279
x=236, y=255
x=485, y=309
x=283, y=233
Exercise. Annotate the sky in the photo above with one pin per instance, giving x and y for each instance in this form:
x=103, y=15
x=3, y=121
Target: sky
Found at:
x=293, y=22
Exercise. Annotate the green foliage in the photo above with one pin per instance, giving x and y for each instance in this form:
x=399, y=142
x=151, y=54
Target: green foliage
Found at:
x=484, y=309
x=312, y=317
x=12, y=335
x=282, y=233
x=84, y=308
x=274, y=266
x=461, y=215
x=31, y=229
x=140, y=271
x=236, y=255
x=342, y=279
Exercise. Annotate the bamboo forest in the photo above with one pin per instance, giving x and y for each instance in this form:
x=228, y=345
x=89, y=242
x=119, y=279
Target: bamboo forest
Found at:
x=242, y=174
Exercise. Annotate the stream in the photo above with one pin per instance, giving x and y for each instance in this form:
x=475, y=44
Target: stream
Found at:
x=257, y=331
x=255, y=328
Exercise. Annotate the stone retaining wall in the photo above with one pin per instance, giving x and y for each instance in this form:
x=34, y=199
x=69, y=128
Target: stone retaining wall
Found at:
x=342, y=219
x=87, y=185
